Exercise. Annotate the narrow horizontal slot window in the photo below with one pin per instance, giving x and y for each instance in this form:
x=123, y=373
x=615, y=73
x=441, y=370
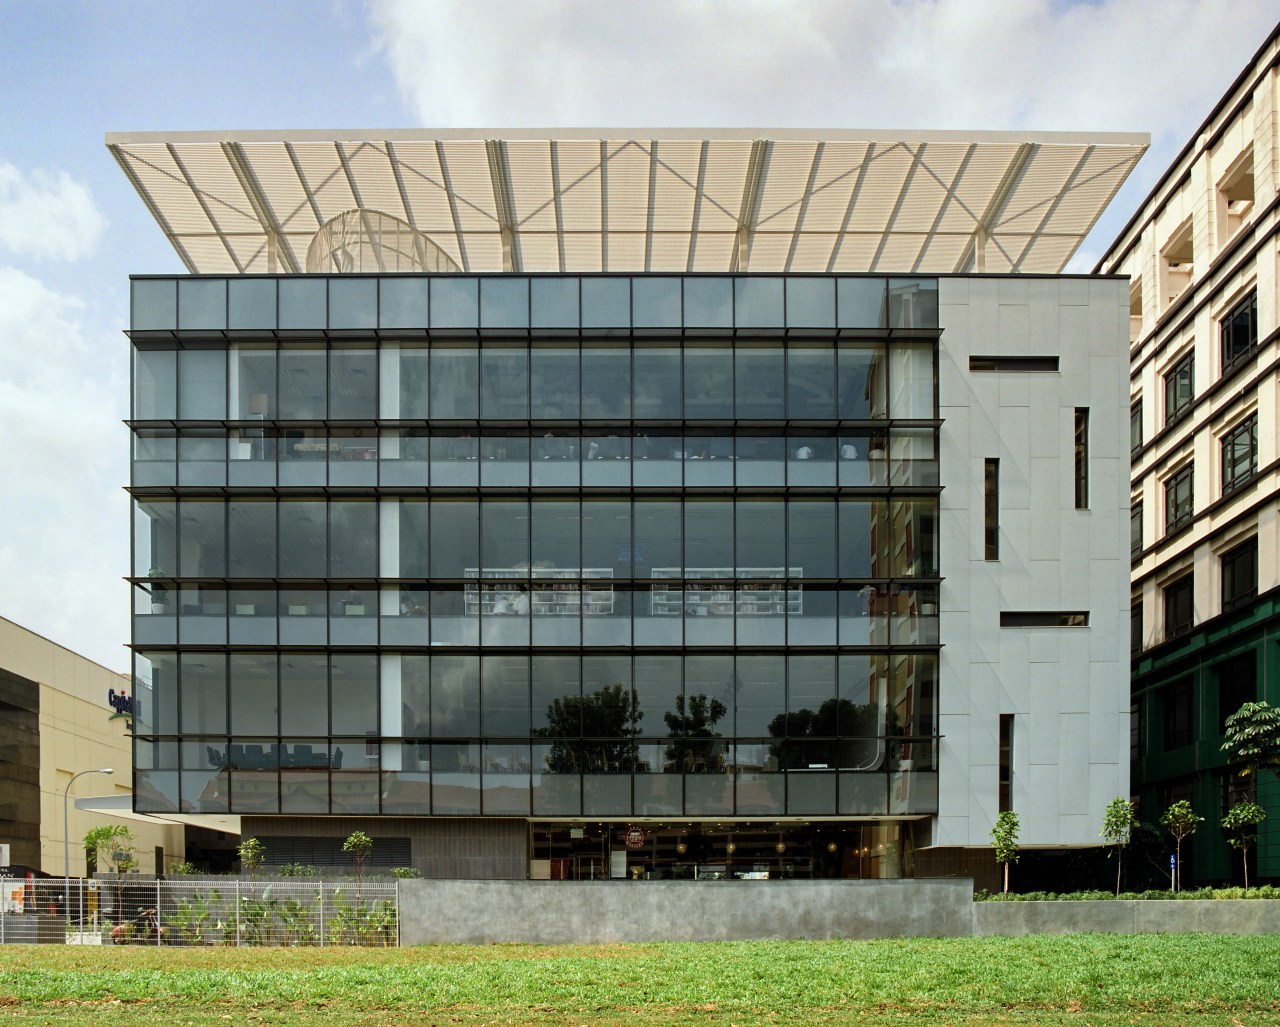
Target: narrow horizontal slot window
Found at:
x=1044, y=618
x=978, y=363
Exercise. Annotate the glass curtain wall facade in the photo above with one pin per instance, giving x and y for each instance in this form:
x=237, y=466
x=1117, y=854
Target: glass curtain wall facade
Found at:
x=536, y=546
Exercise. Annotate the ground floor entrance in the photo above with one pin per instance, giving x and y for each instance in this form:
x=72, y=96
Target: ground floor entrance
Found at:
x=720, y=850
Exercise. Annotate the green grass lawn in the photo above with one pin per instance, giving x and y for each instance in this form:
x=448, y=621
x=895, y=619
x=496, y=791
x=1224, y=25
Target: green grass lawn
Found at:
x=1078, y=979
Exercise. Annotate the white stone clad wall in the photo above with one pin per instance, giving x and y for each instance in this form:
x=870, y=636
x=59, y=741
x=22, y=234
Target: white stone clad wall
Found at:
x=1068, y=688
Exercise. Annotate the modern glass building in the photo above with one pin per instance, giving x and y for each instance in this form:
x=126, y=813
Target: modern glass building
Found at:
x=589, y=571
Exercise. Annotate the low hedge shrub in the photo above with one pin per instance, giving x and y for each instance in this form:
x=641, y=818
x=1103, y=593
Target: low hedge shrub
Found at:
x=1265, y=891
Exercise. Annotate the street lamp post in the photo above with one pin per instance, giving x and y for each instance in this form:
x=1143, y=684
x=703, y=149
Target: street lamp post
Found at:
x=66, y=839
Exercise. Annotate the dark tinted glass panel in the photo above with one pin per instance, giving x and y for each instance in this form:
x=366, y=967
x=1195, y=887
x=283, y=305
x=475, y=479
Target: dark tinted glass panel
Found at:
x=203, y=533
x=303, y=539
x=1013, y=363
x=504, y=302
x=708, y=382
x=1179, y=607
x=504, y=383
x=1240, y=575
x=556, y=688
x=708, y=302
x=606, y=302
x=861, y=382
x=251, y=303
x=304, y=693
x=455, y=383
x=811, y=303
x=353, y=384
x=811, y=382
x=606, y=383
x=758, y=302
x=1177, y=702
x=759, y=377
x=402, y=302
x=455, y=539
x=353, y=303
x=657, y=383
x=1240, y=331
x=1179, y=388
x=202, y=303
x=354, y=679
x=1178, y=500
x=1237, y=685
x=254, y=702
x=155, y=305
x=760, y=530
x=505, y=698
x=251, y=531
x=455, y=696
x=553, y=388
x=656, y=302
x=155, y=384
x=303, y=303
x=913, y=303
x=203, y=698
x=202, y=384
x=302, y=384
x=353, y=534
x=454, y=302
x=862, y=302
x=1044, y=619
x=555, y=302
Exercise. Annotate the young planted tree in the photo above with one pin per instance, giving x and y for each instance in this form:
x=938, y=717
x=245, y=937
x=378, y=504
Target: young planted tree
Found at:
x=1241, y=824
x=252, y=855
x=1118, y=822
x=359, y=846
x=112, y=844
x=1179, y=820
x=1252, y=738
x=1004, y=836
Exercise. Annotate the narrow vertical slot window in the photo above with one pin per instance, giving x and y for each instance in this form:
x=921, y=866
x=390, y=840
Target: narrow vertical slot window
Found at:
x=1082, y=458
x=991, y=508
x=1006, y=762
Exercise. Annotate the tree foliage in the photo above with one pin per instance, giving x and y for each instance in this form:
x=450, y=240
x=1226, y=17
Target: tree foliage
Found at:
x=856, y=726
x=1241, y=824
x=1118, y=822
x=1179, y=820
x=1253, y=738
x=609, y=716
x=112, y=844
x=359, y=846
x=1004, y=837
x=252, y=853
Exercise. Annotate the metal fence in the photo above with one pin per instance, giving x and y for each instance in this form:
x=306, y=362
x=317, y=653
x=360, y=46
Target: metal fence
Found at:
x=199, y=911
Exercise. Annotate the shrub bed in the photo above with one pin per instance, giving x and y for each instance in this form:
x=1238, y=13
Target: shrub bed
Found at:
x=1265, y=891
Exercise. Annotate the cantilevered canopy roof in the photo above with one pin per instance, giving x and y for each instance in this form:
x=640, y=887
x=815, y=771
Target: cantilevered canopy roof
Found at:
x=637, y=200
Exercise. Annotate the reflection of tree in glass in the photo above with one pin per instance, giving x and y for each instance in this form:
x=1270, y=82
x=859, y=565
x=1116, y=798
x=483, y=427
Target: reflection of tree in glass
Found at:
x=858, y=725
x=583, y=726
x=695, y=748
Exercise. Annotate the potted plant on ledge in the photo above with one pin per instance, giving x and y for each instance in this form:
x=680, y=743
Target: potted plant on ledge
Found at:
x=159, y=593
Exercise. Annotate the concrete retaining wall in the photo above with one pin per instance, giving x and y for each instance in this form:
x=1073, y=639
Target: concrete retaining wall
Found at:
x=599, y=912
x=1129, y=916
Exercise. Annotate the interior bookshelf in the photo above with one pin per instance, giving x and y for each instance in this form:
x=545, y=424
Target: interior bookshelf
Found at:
x=746, y=589
x=551, y=591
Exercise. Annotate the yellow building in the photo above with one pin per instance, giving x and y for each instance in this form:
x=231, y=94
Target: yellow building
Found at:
x=56, y=720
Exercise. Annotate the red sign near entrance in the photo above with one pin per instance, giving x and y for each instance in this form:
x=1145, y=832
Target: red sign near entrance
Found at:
x=636, y=837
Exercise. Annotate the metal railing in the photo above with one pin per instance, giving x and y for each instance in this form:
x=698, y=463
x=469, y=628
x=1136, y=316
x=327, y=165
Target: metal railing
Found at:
x=200, y=911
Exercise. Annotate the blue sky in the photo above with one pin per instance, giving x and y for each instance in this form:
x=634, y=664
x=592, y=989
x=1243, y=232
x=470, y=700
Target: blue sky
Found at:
x=71, y=228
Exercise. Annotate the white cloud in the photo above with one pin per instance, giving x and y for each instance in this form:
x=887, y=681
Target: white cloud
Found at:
x=1121, y=65
x=47, y=214
x=63, y=516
